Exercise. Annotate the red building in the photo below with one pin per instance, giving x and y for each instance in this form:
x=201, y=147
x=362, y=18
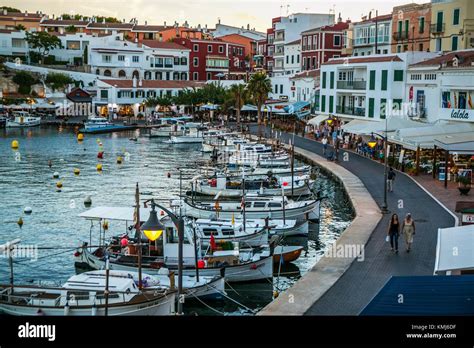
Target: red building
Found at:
x=270, y=46
x=320, y=44
x=214, y=59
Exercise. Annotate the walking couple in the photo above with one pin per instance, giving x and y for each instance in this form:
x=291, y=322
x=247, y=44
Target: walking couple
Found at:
x=407, y=228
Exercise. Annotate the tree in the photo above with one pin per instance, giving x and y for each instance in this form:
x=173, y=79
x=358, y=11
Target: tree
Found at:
x=10, y=9
x=24, y=80
x=85, y=55
x=71, y=29
x=58, y=81
x=259, y=86
x=43, y=42
x=238, y=94
x=20, y=27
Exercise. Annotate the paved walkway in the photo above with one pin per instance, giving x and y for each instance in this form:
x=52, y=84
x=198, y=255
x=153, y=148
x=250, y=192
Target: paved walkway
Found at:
x=361, y=282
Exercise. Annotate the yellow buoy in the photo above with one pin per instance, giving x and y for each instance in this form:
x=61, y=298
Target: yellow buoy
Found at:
x=99, y=167
x=119, y=159
x=80, y=137
x=77, y=171
x=59, y=184
x=15, y=144
x=20, y=222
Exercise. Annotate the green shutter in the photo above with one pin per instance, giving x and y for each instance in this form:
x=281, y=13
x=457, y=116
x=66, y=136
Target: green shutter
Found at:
x=407, y=27
x=331, y=102
x=384, y=79
x=439, y=21
x=398, y=75
x=372, y=80
x=324, y=79
x=454, y=45
x=397, y=104
x=323, y=103
x=383, y=108
x=422, y=25
x=456, y=17
x=371, y=107
x=400, y=25
x=331, y=82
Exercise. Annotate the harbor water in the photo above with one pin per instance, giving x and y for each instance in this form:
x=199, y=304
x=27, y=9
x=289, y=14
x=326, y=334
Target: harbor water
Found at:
x=54, y=228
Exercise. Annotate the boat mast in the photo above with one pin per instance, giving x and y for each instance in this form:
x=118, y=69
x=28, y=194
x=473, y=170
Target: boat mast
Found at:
x=195, y=252
x=8, y=248
x=138, y=235
x=106, y=291
x=292, y=148
x=283, y=202
x=243, y=197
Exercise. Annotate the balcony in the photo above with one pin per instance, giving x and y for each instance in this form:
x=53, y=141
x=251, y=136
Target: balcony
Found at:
x=352, y=85
x=350, y=110
x=400, y=36
x=437, y=28
x=278, y=53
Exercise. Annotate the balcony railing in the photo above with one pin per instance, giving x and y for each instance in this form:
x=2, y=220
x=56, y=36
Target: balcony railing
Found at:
x=437, y=28
x=354, y=85
x=350, y=110
x=400, y=35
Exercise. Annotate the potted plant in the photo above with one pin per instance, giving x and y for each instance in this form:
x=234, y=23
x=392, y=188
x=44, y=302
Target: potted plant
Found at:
x=464, y=184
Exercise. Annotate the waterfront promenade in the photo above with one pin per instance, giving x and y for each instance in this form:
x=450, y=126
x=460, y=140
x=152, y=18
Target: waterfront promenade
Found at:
x=362, y=280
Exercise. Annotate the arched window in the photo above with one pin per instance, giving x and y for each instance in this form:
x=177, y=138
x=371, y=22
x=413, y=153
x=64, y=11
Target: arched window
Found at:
x=147, y=75
x=122, y=74
x=184, y=76
x=136, y=74
x=97, y=72
x=107, y=72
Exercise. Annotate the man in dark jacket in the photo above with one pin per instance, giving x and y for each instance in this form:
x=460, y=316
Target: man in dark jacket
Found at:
x=390, y=178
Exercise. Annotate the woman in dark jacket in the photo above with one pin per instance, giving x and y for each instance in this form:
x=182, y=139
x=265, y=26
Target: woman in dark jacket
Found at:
x=394, y=232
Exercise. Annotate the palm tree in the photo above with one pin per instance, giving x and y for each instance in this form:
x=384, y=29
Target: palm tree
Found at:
x=238, y=94
x=259, y=86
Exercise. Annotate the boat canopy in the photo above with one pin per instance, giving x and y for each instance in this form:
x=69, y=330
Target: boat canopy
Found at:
x=424, y=295
x=315, y=121
x=455, y=249
x=116, y=213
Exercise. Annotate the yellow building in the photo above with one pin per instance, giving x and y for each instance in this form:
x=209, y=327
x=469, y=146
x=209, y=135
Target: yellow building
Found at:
x=452, y=25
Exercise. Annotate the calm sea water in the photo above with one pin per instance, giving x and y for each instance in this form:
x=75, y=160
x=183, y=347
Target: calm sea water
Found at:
x=27, y=180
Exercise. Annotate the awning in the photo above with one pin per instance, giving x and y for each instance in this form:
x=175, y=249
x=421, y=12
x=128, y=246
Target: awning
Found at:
x=115, y=213
x=210, y=107
x=424, y=137
x=424, y=295
x=249, y=107
x=461, y=143
x=392, y=124
x=356, y=126
x=455, y=249
x=300, y=109
x=315, y=121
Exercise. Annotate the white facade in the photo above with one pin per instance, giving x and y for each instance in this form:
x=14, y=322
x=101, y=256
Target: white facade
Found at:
x=442, y=93
x=281, y=87
x=223, y=30
x=367, y=87
x=289, y=29
x=305, y=87
x=292, y=64
x=126, y=60
x=13, y=43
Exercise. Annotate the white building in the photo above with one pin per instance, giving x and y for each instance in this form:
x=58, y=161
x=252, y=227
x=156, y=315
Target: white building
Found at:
x=13, y=43
x=223, y=30
x=151, y=60
x=125, y=97
x=305, y=87
x=289, y=29
x=292, y=64
x=364, y=43
x=442, y=88
x=366, y=87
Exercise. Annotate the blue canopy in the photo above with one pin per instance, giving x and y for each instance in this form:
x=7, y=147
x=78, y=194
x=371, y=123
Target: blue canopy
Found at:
x=424, y=295
x=297, y=109
x=210, y=107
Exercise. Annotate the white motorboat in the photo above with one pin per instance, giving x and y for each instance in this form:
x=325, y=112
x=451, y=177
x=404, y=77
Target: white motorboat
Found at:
x=84, y=295
x=168, y=130
x=228, y=188
x=256, y=207
x=192, y=136
x=23, y=119
x=97, y=125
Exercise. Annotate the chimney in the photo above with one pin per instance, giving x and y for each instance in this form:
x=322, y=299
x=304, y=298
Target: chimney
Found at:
x=5, y=12
x=218, y=20
x=26, y=13
x=248, y=26
x=165, y=25
x=146, y=22
x=339, y=19
x=370, y=15
x=103, y=21
x=123, y=20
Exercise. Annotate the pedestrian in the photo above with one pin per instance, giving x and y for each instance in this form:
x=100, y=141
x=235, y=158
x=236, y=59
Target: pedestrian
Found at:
x=325, y=145
x=394, y=232
x=390, y=179
x=408, y=229
x=334, y=136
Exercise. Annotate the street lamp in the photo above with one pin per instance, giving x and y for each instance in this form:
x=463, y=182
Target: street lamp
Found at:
x=155, y=228
x=372, y=142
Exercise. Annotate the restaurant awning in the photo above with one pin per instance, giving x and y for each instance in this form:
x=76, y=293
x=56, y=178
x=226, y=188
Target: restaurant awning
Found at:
x=315, y=121
x=356, y=126
x=455, y=249
x=424, y=295
x=300, y=109
x=392, y=124
x=249, y=107
x=462, y=144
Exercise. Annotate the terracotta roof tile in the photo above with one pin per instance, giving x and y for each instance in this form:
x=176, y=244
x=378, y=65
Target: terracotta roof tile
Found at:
x=466, y=59
x=370, y=59
x=64, y=22
x=164, y=45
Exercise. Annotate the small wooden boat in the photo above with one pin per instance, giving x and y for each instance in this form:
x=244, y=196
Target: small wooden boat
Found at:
x=288, y=253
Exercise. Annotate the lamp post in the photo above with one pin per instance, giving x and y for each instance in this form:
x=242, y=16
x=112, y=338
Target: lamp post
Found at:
x=153, y=228
x=376, y=29
x=372, y=144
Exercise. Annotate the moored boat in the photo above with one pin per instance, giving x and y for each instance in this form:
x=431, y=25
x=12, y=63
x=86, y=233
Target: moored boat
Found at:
x=286, y=253
x=23, y=119
x=97, y=125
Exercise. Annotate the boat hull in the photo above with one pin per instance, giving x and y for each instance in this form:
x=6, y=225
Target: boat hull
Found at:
x=109, y=129
x=287, y=253
x=13, y=124
x=234, y=193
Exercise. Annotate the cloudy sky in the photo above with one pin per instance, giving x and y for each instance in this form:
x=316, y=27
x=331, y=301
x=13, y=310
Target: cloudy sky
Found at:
x=257, y=13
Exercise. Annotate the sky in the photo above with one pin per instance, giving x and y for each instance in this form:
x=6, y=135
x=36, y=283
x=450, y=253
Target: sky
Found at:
x=257, y=13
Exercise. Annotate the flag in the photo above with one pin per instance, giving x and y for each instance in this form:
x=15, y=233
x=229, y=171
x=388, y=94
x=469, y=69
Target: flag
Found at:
x=213, y=243
x=455, y=101
x=469, y=101
x=233, y=219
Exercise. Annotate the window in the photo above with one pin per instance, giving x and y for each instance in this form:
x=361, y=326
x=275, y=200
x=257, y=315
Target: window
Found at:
x=372, y=80
x=276, y=89
x=398, y=76
x=324, y=78
x=371, y=107
x=323, y=103
x=209, y=48
x=384, y=80
x=195, y=76
x=337, y=40
x=456, y=16
x=287, y=59
x=209, y=76
x=415, y=77
x=73, y=45
x=17, y=43
x=430, y=77
x=454, y=43
x=407, y=27
x=121, y=58
x=259, y=205
x=292, y=59
x=196, y=48
x=104, y=94
x=135, y=59
x=106, y=58
x=184, y=61
x=298, y=59
x=195, y=61
x=383, y=108
x=421, y=25
x=304, y=63
x=281, y=89
x=176, y=60
x=331, y=104
x=420, y=47
x=331, y=81
x=168, y=62
x=274, y=205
